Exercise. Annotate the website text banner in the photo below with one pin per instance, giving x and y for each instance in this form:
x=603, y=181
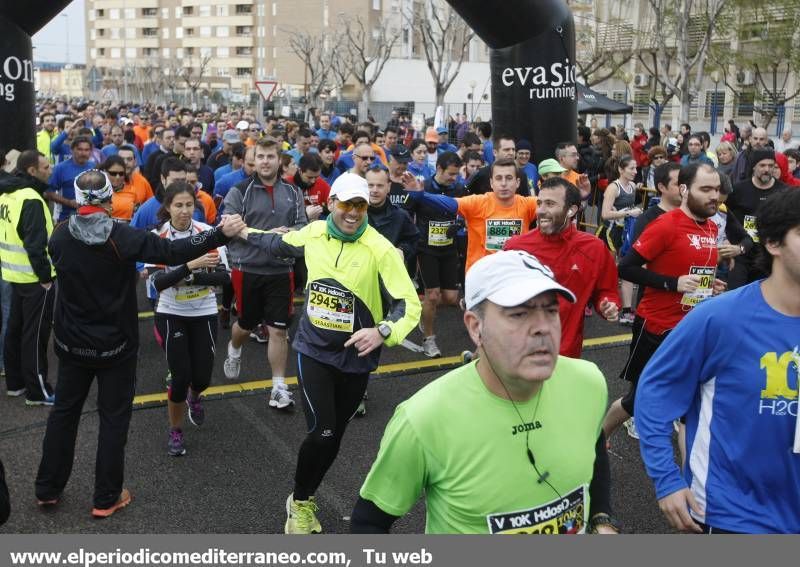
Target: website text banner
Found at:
x=393, y=551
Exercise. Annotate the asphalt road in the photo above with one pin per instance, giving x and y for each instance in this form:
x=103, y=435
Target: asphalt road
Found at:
x=239, y=465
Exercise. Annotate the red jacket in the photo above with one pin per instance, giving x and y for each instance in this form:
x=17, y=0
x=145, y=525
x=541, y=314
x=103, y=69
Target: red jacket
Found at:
x=639, y=153
x=581, y=263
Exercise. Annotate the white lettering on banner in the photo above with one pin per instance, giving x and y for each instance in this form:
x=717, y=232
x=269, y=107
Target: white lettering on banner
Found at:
x=14, y=69
x=557, y=81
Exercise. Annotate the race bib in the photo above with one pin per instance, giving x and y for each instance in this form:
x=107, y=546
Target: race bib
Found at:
x=704, y=290
x=565, y=515
x=750, y=227
x=437, y=233
x=189, y=293
x=498, y=231
x=330, y=307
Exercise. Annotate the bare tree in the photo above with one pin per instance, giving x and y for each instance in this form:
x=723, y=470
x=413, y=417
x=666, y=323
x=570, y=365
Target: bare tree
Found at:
x=682, y=31
x=340, y=71
x=445, y=39
x=315, y=54
x=602, y=52
x=367, y=52
x=193, y=75
x=766, y=55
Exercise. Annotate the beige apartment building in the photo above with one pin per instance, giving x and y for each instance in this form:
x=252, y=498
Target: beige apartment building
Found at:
x=237, y=42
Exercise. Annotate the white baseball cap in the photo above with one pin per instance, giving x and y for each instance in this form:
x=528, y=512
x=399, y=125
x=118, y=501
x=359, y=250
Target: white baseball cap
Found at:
x=509, y=278
x=350, y=186
x=242, y=125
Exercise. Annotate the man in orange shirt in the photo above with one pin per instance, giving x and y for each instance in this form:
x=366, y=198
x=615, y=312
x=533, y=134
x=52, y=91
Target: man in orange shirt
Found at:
x=136, y=191
x=492, y=218
x=567, y=155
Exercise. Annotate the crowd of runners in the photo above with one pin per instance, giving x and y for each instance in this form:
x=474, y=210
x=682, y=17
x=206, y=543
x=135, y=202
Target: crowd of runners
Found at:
x=225, y=218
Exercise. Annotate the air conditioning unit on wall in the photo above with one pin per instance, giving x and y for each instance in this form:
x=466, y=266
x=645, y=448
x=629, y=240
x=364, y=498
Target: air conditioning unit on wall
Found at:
x=641, y=80
x=744, y=78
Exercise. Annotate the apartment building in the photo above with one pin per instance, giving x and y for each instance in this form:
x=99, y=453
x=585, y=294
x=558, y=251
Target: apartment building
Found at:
x=235, y=42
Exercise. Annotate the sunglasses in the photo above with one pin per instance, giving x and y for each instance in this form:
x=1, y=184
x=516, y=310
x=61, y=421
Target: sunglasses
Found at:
x=115, y=173
x=365, y=158
x=348, y=206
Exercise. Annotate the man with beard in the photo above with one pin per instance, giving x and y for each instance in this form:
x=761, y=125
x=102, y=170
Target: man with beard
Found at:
x=729, y=368
x=510, y=443
x=680, y=250
x=744, y=203
x=580, y=261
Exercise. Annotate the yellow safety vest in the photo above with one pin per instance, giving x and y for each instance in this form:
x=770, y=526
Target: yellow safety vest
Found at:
x=14, y=260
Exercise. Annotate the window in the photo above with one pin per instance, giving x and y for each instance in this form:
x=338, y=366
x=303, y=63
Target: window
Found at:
x=115, y=53
x=179, y=53
x=714, y=103
x=223, y=51
x=101, y=51
x=92, y=34
x=130, y=53
x=93, y=53
x=150, y=51
x=744, y=103
x=189, y=32
x=150, y=32
x=243, y=51
x=205, y=52
x=244, y=9
x=261, y=10
x=274, y=9
x=165, y=52
x=165, y=33
x=244, y=31
x=243, y=71
x=91, y=15
x=150, y=12
x=178, y=33
x=223, y=31
x=222, y=11
x=130, y=33
x=101, y=32
x=114, y=33
x=187, y=11
x=189, y=51
x=205, y=31
x=165, y=13
x=376, y=4
x=130, y=13
x=101, y=13
x=223, y=72
x=274, y=52
x=204, y=11
x=113, y=13
x=641, y=102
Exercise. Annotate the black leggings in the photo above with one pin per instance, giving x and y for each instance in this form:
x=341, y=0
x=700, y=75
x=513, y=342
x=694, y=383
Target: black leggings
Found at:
x=330, y=399
x=189, y=343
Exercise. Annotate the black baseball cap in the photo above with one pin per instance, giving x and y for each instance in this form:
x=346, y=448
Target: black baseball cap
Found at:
x=401, y=154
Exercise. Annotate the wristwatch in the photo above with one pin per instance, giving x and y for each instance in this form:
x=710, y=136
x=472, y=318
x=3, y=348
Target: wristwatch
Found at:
x=189, y=279
x=603, y=519
x=741, y=249
x=385, y=330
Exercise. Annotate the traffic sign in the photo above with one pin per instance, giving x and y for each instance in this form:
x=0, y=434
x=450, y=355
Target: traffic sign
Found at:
x=266, y=88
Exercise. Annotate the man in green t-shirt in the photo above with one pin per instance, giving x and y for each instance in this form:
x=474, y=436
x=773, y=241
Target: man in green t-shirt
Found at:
x=511, y=443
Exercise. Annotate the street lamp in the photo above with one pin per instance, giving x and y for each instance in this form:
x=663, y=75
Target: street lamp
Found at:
x=627, y=78
x=713, y=127
x=472, y=85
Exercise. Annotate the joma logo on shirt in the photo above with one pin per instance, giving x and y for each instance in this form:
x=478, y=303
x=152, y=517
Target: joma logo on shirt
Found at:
x=699, y=242
x=522, y=427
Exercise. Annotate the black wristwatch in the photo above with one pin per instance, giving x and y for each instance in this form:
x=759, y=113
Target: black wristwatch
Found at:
x=385, y=330
x=603, y=519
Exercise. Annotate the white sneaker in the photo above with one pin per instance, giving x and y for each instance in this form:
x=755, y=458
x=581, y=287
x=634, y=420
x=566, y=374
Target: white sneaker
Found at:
x=630, y=425
x=280, y=397
x=429, y=347
x=232, y=365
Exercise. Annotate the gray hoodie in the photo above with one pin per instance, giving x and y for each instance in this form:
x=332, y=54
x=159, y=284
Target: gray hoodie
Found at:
x=264, y=210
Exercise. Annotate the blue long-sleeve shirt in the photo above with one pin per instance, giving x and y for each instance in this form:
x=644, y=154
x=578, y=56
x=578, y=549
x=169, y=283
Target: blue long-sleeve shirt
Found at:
x=146, y=216
x=728, y=368
x=62, y=181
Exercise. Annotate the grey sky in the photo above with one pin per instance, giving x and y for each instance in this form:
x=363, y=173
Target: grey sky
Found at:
x=50, y=44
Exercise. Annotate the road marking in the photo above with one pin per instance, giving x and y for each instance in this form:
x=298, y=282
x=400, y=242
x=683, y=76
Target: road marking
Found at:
x=425, y=365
